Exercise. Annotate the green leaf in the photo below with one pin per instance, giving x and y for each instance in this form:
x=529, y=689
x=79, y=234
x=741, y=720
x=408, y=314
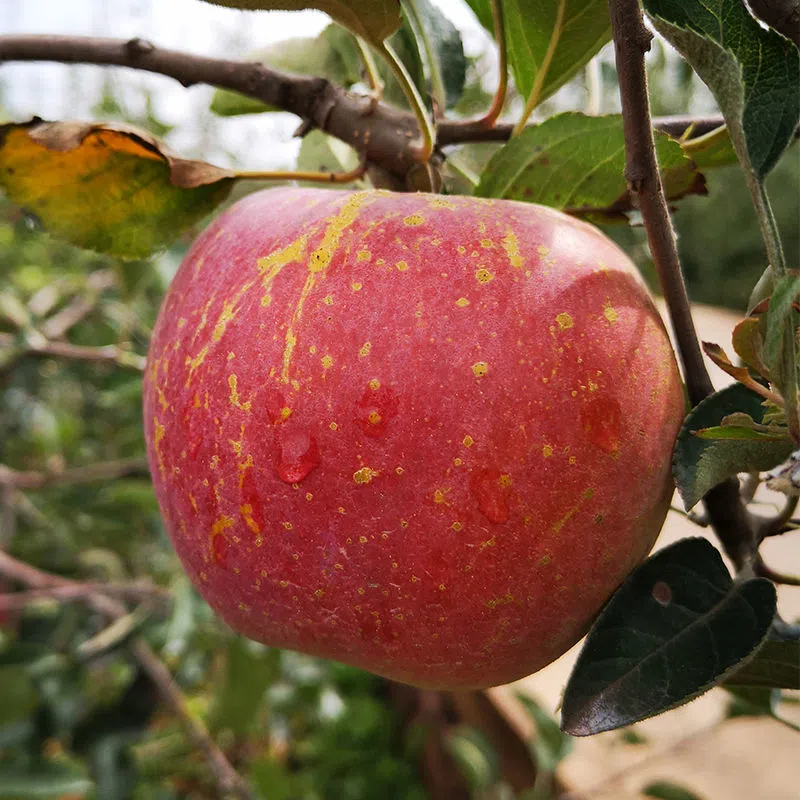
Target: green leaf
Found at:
x=575, y=162
x=666, y=790
x=676, y=627
x=250, y=669
x=44, y=779
x=444, y=51
x=323, y=153
x=749, y=345
x=713, y=149
x=539, y=48
x=20, y=697
x=698, y=465
x=780, y=340
x=776, y=664
x=333, y=54
x=373, y=21
x=752, y=701
x=476, y=758
x=753, y=72
x=106, y=188
x=550, y=743
x=739, y=433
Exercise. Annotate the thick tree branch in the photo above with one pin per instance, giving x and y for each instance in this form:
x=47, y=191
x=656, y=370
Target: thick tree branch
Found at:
x=229, y=782
x=726, y=512
x=384, y=135
x=110, y=470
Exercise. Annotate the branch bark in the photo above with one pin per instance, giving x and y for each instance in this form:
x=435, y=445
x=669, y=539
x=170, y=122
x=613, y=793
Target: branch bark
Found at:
x=726, y=512
x=382, y=134
x=109, y=470
x=229, y=782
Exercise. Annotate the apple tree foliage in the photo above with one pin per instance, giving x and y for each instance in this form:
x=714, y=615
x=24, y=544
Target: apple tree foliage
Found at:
x=679, y=625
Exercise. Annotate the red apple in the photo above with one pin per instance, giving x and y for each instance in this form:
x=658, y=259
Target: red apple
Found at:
x=424, y=435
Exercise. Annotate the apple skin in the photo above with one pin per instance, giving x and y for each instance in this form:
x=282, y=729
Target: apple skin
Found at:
x=426, y=436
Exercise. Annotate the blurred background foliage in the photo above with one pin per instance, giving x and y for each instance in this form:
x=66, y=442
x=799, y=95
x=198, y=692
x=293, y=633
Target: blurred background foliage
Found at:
x=78, y=718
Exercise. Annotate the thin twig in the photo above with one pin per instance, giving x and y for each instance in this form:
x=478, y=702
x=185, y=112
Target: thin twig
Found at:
x=229, y=782
x=762, y=570
x=108, y=470
x=136, y=590
x=728, y=516
x=56, y=326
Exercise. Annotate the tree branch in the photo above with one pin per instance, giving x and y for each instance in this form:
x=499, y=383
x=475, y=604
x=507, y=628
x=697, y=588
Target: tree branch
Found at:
x=134, y=590
x=229, y=782
x=726, y=512
x=384, y=136
x=111, y=353
x=109, y=470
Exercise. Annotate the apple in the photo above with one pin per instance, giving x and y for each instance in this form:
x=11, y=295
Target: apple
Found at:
x=427, y=436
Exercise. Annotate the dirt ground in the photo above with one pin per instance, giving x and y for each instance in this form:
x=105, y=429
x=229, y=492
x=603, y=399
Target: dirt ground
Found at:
x=745, y=758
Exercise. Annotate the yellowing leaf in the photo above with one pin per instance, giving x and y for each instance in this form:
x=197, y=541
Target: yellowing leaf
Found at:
x=373, y=20
x=107, y=188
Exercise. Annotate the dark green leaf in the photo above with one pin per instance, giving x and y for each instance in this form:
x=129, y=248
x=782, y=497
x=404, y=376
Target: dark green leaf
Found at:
x=752, y=701
x=441, y=41
x=550, y=743
x=698, y=465
x=665, y=790
x=753, y=72
x=676, y=627
x=775, y=665
x=45, y=780
x=575, y=162
x=549, y=40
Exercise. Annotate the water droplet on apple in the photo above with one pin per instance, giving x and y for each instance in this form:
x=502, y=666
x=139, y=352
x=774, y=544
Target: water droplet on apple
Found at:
x=488, y=488
x=601, y=419
x=219, y=550
x=298, y=454
x=377, y=406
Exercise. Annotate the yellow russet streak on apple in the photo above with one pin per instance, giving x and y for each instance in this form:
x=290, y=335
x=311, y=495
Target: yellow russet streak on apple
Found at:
x=317, y=264
x=511, y=246
x=571, y=512
x=235, y=401
x=229, y=309
x=160, y=433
